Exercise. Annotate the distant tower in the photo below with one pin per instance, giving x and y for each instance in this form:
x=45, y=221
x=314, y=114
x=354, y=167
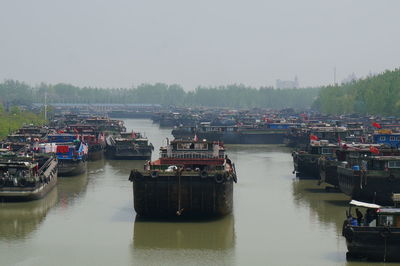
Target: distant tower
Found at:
x=296, y=82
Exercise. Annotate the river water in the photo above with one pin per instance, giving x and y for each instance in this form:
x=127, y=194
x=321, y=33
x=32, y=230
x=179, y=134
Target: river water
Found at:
x=89, y=219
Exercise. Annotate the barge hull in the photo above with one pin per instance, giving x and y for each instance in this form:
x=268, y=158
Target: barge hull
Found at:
x=377, y=189
x=188, y=196
x=27, y=194
x=382, y=244
x=71, y=168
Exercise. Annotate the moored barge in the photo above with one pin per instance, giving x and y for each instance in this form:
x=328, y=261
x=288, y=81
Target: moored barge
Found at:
x=375, y=236
x=129, y=146
x=191, y=178
x=71, y=154
x=306, y=161
x=257, y=133
x=27, y=177
x=371, y=178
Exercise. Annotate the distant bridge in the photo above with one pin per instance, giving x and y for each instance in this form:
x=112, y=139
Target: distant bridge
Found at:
x=103, y=107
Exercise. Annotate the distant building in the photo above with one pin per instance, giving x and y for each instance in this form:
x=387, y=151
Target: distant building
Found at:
x=287, y=84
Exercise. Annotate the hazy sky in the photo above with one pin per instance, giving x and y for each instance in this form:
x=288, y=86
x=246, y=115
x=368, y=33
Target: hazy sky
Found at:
x=120, y=43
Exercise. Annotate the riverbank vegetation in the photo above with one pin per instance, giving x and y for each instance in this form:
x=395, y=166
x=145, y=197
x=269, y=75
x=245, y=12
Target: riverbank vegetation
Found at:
x=378, y=95
x=160, y=93
x=15, y=118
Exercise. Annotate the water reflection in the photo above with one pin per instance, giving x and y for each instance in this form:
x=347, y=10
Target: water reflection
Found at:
x=206, y=235
x=328, y=207
x=71, y=189
x=18, y=220
x=124, y=167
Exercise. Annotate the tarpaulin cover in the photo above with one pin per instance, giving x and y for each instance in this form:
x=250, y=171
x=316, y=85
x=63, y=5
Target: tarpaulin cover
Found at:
x=62, y=149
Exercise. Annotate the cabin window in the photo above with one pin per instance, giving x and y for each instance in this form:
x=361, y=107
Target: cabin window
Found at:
x=386, y=220
x=327, y=151
x=201, y=146
x=183, y=146
x=394, y=164
x=229, y=129
x=392, y=138
x=382, y=138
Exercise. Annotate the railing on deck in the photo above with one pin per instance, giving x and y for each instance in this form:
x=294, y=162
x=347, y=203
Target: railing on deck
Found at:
x=191, y=155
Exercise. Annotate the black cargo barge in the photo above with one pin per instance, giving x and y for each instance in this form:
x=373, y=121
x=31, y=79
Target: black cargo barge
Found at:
x=375, y=236
x=273, y=133
x=374, y=180
x=306, y=162
x=128, y=146
x=190, y=179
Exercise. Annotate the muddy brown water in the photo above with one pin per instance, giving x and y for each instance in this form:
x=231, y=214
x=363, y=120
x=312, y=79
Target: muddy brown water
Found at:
x=89, y=219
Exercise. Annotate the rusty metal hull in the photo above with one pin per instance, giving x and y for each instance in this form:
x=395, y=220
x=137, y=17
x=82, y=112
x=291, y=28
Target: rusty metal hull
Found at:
x=189, y=195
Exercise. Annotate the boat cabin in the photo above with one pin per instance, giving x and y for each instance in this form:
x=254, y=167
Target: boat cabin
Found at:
x=61, y=138
x=332, y=134
x=191, y=149
x=388, y=216
x=191, y=154
x=388, y=138
x=322, y=147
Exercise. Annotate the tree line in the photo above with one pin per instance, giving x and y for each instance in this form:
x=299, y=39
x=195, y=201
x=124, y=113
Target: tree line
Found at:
x=378, y=95
x=19, y=93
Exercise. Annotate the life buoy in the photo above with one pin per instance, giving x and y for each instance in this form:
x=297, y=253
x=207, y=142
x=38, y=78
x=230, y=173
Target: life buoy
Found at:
x=154, y=174
x=203, y=174
x=219, y=178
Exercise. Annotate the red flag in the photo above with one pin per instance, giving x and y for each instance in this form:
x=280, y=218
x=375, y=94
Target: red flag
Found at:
x=374, y=124
x=313, y=137
x=374, y=150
